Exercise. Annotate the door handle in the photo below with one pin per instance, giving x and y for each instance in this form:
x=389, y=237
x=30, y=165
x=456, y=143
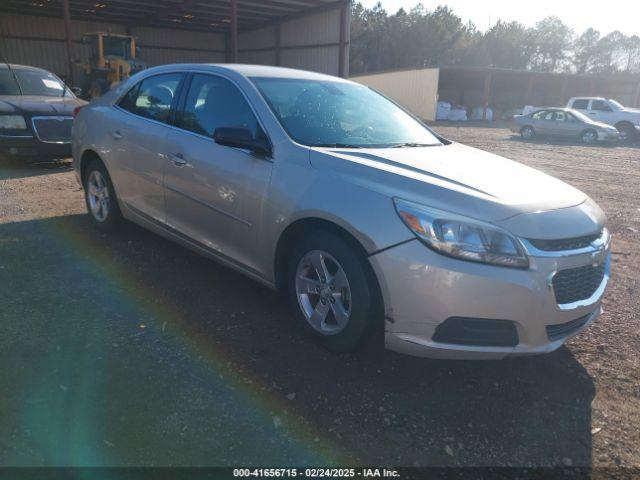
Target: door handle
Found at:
x=116, y=134
x=178, y=159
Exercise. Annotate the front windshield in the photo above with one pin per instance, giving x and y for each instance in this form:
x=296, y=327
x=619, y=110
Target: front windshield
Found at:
x=117, y=47
x=327, y=113
x=31, y=82
x=615, y=105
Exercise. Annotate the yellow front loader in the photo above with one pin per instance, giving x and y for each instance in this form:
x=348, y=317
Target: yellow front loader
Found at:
x=113, y=58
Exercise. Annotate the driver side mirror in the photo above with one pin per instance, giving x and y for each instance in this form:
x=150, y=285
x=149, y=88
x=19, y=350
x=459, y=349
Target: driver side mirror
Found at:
x=242, y=138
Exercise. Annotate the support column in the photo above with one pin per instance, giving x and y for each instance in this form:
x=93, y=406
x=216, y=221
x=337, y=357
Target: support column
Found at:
x=278, y=33
x=487, y=95
x=233, y=31
x=563, y=91
x=345, y=10
x=529, y=92
x=68, y=39
x=637, y=97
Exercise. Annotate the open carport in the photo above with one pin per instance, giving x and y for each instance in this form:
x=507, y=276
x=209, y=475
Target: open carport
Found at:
x=307, y=34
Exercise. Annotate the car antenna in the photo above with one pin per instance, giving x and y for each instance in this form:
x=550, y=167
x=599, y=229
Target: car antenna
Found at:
x=13, y=74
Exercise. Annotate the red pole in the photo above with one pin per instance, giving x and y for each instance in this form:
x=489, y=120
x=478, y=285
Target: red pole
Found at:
x=344, y=26
x=487, y=93
x=234, y=31
x=67, y=30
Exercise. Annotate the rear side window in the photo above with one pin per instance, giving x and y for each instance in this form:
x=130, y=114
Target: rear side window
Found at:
x=600, y=106
x=581, y=104
x=152, y=97
x=214, y=102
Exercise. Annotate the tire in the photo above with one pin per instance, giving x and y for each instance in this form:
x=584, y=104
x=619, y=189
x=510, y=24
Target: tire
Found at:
x=356, y=300
x=589, y=137
x=627, y=132
x=528, y=133
x=100, y=197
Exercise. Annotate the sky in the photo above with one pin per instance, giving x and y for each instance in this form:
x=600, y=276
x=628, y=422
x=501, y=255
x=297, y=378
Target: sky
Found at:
x=623, y=15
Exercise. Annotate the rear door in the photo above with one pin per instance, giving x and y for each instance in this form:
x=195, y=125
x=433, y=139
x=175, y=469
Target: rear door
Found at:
x=216, y=194
x=139, y=143
x=543, y=122
x=564, y=124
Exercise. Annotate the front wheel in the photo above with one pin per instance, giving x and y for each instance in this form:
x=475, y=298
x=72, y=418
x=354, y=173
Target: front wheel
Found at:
x=100, y=197
x=330, y=292
x=627, y=132
x=528, y=133
x=589, y=137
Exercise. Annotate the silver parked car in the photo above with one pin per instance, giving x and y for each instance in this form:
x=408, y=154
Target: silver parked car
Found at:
x=368, y=219
x=563, y=123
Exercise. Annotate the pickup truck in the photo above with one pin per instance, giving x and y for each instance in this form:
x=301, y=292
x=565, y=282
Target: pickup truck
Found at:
x=606, y=110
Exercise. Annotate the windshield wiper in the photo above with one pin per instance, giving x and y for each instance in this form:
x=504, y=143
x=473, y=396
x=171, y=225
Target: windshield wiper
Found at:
x=413, y=144
x=337, y=145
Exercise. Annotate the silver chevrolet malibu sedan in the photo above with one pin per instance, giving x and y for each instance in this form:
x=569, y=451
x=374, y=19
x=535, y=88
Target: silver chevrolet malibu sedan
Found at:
x=324, y=189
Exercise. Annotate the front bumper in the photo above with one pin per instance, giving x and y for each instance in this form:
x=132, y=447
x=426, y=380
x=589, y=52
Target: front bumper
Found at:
x=609, y=136
x=28, y=146
x=422, y=289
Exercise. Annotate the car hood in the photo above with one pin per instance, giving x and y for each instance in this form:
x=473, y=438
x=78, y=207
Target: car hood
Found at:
x=454, y=178
x=38, y=105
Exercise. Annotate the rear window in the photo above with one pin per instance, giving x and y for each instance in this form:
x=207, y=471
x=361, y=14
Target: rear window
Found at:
x=581, y=104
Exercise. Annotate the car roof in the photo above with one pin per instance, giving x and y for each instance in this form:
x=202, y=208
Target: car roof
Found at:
x=16, y=66
x=250, y=71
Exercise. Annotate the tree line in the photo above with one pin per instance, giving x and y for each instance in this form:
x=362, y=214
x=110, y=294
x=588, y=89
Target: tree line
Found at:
x=427, y=38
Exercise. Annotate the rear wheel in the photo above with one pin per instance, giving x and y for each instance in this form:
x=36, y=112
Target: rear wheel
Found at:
x=100, y=197
x=528, y=133
x=589, y=137
x=329, y=291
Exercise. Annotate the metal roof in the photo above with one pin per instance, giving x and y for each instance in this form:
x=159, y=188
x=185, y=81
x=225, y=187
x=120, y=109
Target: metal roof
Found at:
x=200, y=15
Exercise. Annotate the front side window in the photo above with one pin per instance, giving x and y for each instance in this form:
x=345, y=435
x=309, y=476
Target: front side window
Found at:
x=332, y=113
x=117, y=47
x=213, y=102
x=600, y=106
x=152, y=97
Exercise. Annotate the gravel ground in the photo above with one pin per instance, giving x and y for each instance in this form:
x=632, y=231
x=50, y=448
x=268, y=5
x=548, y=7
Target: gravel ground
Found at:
x=129, y=350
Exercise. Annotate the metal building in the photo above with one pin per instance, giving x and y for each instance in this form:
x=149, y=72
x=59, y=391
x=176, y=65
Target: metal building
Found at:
x=306, y=34
x=502, y=90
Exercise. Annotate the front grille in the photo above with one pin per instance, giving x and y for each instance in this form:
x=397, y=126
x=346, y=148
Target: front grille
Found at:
x=482, y=332
x=556, y=332
x=565, y=243
x=53, y=129
x=576, y=284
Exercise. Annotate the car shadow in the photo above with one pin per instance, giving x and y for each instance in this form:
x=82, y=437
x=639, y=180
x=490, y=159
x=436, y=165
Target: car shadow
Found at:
x=127, y=349
x=11, y=168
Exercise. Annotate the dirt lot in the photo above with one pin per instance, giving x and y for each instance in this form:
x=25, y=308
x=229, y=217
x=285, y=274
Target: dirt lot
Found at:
x=129, y=350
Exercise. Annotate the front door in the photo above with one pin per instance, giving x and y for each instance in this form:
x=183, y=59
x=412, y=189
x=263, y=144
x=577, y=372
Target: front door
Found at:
x=601, y=111
x=215, y=194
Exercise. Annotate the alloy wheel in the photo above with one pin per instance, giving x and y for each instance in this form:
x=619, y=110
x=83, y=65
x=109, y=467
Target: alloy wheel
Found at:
x=98, y=195
x=323, y=292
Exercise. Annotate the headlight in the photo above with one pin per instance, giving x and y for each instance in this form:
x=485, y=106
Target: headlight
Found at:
x=12, y=122
x=462, y=237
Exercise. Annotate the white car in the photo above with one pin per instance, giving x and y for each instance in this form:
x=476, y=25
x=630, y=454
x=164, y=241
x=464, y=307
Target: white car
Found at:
x=607, y=110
